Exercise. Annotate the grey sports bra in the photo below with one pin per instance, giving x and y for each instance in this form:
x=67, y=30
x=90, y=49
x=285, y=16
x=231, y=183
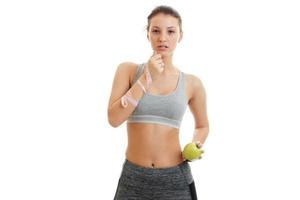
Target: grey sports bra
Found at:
x=160, y=109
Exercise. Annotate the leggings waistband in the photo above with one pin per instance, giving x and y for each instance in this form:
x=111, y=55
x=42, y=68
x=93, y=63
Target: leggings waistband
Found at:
x=183, y=167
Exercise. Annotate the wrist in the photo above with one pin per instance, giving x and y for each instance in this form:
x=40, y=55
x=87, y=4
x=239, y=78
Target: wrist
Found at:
x=147, y=75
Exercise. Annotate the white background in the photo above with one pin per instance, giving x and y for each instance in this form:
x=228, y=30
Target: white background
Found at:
x=58, y=59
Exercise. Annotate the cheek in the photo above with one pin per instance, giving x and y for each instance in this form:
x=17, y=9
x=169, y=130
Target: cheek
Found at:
x=152, y=38
x=174, y=42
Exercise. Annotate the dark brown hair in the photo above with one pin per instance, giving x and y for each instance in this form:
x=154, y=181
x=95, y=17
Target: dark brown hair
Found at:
x=167, y=10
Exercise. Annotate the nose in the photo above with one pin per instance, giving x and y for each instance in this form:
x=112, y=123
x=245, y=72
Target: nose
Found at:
x=162, y=37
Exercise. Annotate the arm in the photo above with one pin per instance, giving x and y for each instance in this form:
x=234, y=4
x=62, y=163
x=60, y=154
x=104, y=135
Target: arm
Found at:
x=197, y=105
x=116, y=113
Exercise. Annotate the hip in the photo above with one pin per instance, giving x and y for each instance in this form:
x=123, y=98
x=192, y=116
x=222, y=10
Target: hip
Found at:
x=138, y=182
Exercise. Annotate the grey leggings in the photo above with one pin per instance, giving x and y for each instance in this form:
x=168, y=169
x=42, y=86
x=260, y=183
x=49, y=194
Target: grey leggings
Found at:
x=142, y=183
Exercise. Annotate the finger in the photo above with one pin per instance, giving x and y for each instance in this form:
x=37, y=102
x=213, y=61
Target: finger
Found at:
x=159, y=66
x=160, y=62
x=199, y=144
x=156, y=57
x=154, y=53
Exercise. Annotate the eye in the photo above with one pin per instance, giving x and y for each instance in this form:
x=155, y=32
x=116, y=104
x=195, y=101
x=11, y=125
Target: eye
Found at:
x=171, y=31
x=155, y=31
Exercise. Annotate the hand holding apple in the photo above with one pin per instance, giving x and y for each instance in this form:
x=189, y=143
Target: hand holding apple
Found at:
x=192, y=152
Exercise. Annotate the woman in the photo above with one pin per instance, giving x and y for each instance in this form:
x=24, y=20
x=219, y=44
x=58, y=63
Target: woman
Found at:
x=153, y=97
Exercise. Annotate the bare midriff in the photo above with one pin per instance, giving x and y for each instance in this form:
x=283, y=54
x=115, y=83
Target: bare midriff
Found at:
x=153, y=145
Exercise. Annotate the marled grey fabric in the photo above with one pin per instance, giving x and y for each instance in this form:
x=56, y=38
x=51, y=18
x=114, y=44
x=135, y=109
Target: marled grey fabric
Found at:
x=142, y=183
x=161, y=109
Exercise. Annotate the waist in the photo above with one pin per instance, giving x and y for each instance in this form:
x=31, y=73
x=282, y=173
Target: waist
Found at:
x=158, y=160
x=139, y=168
x=181, y=173
x=152, y=144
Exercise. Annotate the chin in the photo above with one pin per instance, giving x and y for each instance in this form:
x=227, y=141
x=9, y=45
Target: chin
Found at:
x=163, y=52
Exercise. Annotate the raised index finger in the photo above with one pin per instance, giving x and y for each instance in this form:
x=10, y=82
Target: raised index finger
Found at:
x=156, y=55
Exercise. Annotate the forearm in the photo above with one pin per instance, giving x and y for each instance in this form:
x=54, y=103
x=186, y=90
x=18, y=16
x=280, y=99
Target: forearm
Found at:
x=117, y=114
x=200, y=134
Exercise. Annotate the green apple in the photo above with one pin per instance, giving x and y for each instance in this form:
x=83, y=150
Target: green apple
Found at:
x=191, y=152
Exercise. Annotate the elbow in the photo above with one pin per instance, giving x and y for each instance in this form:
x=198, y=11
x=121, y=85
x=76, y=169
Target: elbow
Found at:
x=113, y=123
x=112, y=120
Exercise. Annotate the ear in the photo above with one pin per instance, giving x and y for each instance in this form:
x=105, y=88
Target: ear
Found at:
x=180, y=37
x=148, y=35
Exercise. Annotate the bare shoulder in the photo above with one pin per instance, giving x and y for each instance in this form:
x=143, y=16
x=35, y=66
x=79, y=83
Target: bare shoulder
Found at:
x=122, y=80
x=194, y=85
x=127, y=68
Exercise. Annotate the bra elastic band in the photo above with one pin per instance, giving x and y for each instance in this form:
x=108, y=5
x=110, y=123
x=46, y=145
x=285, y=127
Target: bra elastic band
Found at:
x=141, y=85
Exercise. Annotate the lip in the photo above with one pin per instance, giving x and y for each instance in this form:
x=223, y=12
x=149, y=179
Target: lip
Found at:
x=162, y=48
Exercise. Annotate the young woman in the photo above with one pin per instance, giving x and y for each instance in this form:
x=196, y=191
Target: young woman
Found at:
x=152, y=97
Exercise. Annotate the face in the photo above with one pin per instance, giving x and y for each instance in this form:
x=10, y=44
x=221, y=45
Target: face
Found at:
x=164, y=33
